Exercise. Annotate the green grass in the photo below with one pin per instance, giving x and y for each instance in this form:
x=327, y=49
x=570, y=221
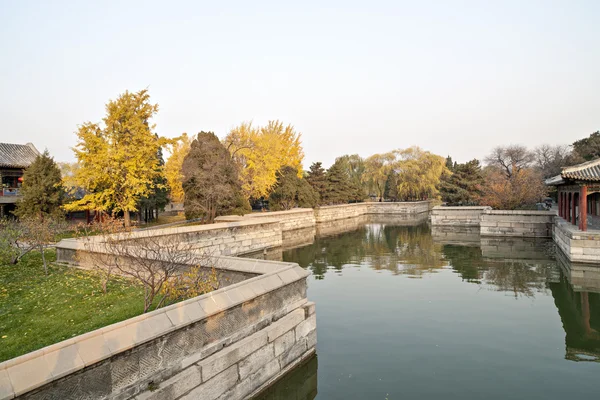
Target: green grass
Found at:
x=37, y=311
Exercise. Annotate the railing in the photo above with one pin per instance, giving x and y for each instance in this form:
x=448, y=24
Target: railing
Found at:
x=10, y=192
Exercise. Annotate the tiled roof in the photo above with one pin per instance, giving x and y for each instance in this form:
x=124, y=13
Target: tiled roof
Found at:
x=17, y=155
x=588, y=171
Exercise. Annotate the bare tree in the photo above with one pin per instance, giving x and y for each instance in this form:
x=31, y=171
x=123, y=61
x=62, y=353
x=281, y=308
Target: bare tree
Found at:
x=151, y=260
x=510, y=159
x=13, y=243
x=41, y=232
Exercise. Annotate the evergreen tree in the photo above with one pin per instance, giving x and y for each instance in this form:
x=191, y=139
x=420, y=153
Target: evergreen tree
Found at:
x=158, y=197
x=391, y=187
x=42, y=190
x=211, y=183
x=449, y=163
x=339, y=189
x=317, y=179
x=588, y=148
x=463, y=186
x=355, y=168
x=291, y=191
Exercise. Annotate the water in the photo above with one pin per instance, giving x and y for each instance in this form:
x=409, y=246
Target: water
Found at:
x=404, y=314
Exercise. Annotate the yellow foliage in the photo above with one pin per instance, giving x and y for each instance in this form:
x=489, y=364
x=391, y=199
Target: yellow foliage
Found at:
x=261, y=152
x=419, y=173
x=189, y=284
x=173, y=167
x=118, y=164
x=377, y=169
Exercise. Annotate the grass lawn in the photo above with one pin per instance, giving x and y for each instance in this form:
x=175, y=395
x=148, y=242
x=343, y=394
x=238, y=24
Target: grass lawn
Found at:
x=37, y=311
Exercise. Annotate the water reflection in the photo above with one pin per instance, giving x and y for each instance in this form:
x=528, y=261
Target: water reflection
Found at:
x=300, y=384
x=495, y=310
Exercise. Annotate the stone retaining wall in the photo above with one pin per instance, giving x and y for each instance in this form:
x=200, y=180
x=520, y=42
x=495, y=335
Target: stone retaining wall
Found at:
x=334, y=213
x=523, y=223
x=578, y=246
x=226, y=344
x=457, y=216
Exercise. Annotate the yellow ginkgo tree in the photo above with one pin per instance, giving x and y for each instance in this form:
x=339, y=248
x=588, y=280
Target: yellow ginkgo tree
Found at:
x=173, y=166
x=118, y=161
x=261, y=152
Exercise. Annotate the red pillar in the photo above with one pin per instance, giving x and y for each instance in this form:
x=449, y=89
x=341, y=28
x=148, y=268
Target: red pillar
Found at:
x=583, y=208
x=573, y=216
x=561, y=205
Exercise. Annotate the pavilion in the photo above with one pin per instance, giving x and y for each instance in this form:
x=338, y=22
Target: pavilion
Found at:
x=579, y=194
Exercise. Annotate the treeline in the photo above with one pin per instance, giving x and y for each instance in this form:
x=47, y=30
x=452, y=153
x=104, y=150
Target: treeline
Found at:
x=120, y=170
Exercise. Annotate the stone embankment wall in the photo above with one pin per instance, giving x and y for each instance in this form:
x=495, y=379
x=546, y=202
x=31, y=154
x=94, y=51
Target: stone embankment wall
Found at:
x=578, y=246
x=457, y=216
x=522, y=223
x=334, y=213
x=227, y=344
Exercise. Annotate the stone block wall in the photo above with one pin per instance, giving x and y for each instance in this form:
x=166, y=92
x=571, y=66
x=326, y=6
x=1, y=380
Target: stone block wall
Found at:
x=333, y=213
x=578, y=246
x=415, y=207
x=227, y=344
x=457, y=216
x=521, y=223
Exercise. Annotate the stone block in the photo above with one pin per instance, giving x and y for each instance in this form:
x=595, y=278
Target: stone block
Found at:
x=121, y=338
x=305, y=327
x=311, y=339
x=231, y=355
x=284, y=343
x=6, y=390
x=309, y=309
x=29, y=374
x=256, y=360
x=176, y=386
x=178, y=316
x=64, y=361
x=194, y=311
x=252, y=382
x=296, y=351
x=284, y=324
x=215, y=387
x=92, y=348
x=152, y=327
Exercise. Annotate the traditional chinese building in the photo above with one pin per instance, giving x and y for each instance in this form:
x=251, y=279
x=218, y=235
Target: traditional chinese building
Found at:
x=14, y=158
x=579, y=194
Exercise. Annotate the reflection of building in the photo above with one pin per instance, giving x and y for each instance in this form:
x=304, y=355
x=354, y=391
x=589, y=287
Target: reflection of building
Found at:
x=14, y=158
x=579, y=311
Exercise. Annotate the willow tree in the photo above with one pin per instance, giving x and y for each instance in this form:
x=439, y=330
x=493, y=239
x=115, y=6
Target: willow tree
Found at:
x=377, y=169
x=419, y=173
x=173, y=167
x=261, y=152
x=117, y=161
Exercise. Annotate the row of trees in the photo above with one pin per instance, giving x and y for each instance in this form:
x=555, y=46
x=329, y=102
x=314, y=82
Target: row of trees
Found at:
x=120, y=169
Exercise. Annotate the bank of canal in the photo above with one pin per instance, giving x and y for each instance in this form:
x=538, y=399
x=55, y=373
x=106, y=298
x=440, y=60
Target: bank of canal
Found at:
x=401, y=315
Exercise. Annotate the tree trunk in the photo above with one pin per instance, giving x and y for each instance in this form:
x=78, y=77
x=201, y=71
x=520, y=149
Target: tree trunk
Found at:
x=127, y=219
x=44, y=260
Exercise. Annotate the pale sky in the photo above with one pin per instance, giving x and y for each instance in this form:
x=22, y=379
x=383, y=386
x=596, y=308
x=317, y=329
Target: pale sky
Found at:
x=454, y=77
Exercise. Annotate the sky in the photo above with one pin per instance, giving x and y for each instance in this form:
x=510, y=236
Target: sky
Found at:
x=453, y=77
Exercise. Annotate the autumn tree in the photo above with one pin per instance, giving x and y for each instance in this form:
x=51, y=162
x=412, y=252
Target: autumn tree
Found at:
x=523, y=188
x=317, y=179
x=462, y=185
x=173, y=172
x=42, y=191
x=117, y=162
x=419, y=173
x=210, y=180
x=510, y=159
x=377, y=169
x=588, y=148
x=261, y=152
x=291, y=191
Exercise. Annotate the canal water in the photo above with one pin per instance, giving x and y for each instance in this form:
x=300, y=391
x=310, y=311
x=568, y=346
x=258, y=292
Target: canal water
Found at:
x=404, y=313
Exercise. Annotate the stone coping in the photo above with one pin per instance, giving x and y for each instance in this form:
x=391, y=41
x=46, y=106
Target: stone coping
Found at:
x=179, y=230
x=573, y=232
x=30, y=371
x=461, y=208
x=369, y=203
x=520, y=212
